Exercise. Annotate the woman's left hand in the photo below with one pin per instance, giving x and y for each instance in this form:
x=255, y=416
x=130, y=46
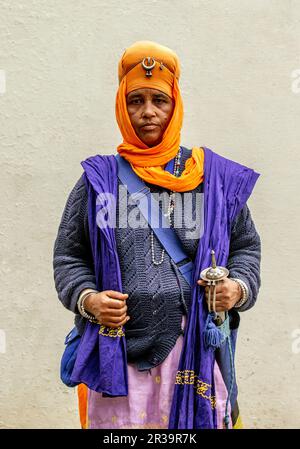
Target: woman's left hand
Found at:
x=228, y=293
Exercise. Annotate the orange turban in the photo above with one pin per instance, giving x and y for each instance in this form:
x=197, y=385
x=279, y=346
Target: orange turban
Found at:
x=148, y=162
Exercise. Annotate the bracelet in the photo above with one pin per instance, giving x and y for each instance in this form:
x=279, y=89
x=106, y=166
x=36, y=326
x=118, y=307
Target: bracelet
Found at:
x=245, y=292
x=80, y=305
x=85, y=291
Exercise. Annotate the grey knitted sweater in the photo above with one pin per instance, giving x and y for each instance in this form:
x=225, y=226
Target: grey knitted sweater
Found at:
x=158, y=295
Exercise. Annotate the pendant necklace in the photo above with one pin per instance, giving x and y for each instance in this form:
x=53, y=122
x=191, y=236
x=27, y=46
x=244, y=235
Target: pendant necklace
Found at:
x=170, y=210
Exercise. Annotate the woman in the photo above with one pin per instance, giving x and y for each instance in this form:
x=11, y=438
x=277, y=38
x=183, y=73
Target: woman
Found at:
x=160, y=312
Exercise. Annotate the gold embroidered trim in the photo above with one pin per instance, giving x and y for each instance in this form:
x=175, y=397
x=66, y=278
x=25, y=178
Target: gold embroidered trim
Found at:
x=109, y=332
x=188, y=377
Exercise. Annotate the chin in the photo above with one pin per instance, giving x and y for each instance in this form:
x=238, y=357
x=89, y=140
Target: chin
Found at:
x=151, y=142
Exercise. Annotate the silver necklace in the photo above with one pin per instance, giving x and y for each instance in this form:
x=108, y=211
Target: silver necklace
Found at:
x=170, y=210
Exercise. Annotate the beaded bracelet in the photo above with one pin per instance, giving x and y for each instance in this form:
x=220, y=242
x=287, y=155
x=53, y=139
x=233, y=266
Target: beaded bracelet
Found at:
x=82, y=311
x=245, y=292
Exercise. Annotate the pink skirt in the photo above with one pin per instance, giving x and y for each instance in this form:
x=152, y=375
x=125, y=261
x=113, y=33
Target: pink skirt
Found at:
x=149, y=397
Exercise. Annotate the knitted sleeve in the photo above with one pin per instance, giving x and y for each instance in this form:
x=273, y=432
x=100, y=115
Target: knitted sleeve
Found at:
x=72, y=256
x=245, y=255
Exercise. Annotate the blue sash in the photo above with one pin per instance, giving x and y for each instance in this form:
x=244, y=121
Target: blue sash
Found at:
x=141, y=194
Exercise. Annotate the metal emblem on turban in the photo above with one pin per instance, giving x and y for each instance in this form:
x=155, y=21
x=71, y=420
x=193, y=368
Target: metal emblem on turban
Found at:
x=148, y=65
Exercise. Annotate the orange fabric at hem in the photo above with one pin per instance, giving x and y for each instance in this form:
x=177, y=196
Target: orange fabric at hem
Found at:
x=82, y=392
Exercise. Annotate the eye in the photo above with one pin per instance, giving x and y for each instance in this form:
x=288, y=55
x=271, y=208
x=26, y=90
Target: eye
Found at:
x=135, y=101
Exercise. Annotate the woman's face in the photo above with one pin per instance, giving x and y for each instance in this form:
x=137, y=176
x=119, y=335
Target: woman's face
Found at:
x=150, y=111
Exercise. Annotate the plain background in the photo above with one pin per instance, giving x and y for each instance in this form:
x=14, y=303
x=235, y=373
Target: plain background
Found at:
x=242, y=99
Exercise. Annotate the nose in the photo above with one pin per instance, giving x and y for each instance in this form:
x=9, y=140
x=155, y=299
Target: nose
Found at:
x=148, y=110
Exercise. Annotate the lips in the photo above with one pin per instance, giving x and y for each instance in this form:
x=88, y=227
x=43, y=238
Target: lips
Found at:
x=149, y=127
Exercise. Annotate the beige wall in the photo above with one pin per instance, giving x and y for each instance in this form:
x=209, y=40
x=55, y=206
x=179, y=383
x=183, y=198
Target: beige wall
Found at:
x=58, y=79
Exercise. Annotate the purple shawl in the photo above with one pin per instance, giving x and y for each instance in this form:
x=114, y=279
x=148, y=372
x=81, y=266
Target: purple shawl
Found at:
x=101, y=361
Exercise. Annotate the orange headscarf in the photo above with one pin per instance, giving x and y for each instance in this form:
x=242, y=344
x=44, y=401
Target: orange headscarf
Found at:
x=148, y=162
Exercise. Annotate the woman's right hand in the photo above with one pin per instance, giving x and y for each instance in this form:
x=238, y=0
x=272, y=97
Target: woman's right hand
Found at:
x=109, y=307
